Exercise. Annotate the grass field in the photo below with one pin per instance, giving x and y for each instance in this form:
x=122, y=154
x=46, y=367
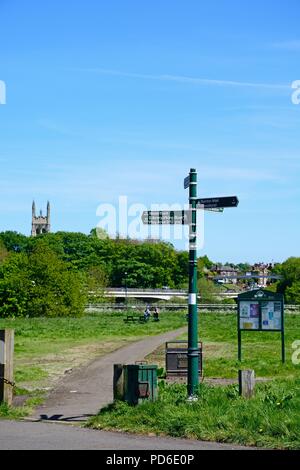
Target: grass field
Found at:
x=45, y=348
x=261, y=351
x=271, y=419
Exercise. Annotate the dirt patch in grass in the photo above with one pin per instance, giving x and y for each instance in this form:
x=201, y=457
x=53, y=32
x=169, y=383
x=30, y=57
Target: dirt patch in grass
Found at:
x=54, y=366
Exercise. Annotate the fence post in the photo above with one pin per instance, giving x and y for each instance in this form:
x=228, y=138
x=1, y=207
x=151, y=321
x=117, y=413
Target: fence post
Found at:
x=118, y=382
x=6, y=366
x=246, y=383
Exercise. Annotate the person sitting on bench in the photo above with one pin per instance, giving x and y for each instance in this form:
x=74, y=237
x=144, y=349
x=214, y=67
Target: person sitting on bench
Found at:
x=147, y=313
x=155, y=314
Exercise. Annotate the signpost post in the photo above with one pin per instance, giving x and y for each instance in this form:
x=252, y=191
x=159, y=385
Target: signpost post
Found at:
x=189, y=217
x=193, y=351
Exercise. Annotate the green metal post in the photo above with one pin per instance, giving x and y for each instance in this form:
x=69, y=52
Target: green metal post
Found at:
x=239, y=345
x=282, y=334
x=193, y=352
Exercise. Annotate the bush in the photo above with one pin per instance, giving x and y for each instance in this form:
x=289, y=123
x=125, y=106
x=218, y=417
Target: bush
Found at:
x=39, y=284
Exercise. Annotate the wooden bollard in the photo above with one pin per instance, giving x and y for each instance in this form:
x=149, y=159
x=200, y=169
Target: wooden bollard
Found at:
x=6, y=366
x=118, y=382
x=246, y=383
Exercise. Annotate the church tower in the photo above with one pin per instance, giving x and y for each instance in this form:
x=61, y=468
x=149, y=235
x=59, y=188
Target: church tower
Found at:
x=40, y=224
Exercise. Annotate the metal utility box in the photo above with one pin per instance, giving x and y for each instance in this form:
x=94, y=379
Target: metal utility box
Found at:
x=140, y=383
x=177, y=359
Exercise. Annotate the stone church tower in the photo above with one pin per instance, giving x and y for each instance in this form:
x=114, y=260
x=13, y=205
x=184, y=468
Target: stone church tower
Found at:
x=40, y=224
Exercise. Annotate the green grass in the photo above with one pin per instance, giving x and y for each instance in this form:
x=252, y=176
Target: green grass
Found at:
x=30, y=400
x=13, y=412
x=261, y=351
x=271, y=419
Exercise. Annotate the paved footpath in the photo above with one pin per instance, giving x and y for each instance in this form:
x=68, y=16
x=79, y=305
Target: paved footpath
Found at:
x=82, y=394
x=86, y=390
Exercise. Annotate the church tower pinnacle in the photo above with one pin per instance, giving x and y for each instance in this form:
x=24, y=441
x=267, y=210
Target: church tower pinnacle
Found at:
x=40, y=224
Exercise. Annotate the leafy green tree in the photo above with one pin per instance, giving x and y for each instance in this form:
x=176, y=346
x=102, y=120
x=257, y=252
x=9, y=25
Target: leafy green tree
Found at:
x=204, y=266
x=292, y=293
x=14, y=241
x=290, y=282
x=207, y=290
x=97, y=280
x=15, y=286
x=40, y=284
x=3, y=252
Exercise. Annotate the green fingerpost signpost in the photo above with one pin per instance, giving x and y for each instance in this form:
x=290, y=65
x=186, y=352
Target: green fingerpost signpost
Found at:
x=183, y=218
x=193, y=351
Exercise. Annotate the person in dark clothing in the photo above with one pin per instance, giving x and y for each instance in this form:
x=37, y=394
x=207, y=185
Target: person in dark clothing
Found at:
x=156, y=314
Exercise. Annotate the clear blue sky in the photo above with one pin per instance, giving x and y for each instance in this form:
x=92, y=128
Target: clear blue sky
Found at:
x=122, y=97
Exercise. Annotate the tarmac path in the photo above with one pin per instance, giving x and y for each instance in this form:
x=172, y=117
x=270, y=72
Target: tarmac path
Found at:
x=20, y=435
x=86, y=390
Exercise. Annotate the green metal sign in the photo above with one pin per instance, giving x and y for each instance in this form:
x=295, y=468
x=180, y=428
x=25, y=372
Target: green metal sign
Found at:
x=218, y=202
x=260, y=310
x=166, y=217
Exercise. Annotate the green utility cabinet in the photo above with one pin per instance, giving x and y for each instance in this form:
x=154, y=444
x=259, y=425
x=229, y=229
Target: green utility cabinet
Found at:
x=140, y=383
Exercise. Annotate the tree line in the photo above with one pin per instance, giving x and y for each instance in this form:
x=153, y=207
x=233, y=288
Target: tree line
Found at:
x=53, y=274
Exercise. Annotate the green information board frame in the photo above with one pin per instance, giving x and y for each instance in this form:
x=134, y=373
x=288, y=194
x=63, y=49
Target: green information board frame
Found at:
x=261, y=310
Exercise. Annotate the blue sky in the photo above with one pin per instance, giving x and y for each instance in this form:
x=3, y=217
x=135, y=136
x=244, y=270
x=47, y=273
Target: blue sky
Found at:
x=123, y=97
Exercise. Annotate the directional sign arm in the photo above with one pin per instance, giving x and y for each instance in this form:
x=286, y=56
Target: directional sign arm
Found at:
x=187, y=181
x=217, y=202
x=166, y=217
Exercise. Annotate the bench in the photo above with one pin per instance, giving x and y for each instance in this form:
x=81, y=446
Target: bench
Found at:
x=132, y=319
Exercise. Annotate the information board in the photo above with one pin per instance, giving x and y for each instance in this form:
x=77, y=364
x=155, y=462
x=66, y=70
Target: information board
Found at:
x=261, y=310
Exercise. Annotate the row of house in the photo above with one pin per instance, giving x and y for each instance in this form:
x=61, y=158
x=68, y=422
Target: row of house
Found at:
x=226, y=274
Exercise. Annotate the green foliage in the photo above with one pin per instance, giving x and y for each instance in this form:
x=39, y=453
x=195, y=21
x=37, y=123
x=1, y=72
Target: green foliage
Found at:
x=3, y=252
x=9, y=412
x=39, y=284
x=292, y=293
x=207, y=290
x=204, y=265
x=14, y=241
x=148, y=265
x=290, y=284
